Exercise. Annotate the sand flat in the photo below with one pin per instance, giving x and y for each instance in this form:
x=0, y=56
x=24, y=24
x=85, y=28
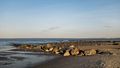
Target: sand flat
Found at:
x=95, y=61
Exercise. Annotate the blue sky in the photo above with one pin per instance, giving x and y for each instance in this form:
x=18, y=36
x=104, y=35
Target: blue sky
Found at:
x=59, y=18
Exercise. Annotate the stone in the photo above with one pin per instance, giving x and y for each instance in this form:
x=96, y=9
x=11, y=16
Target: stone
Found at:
x=72, y=46
x=47, y=50
x=90, y=52
x=44, y=48
x=74, y=51
x=59, y=48
x=37, y=47
x=67, y=53
x=50, y=49
x=57, y=52
x=55, y=49
x=81, y=53
x=23, y=47
x=62, y=50
x=49, y=46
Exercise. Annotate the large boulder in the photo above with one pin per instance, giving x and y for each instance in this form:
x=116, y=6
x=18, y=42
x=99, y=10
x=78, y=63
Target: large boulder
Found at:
x=90, y=52
x=74, y=51
x=55, y=50
x=67, y=53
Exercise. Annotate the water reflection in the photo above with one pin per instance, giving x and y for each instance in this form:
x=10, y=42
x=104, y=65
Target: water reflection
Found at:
x=21, y=60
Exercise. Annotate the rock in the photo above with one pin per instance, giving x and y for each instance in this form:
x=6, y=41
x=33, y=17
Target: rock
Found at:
x=44, y=48
x=67, y=53
x=55, y=50
x=62, y=51
x=37, y=47
x=74, y=51
x=90, y=52
x=60, y=48
x=24, y=47
x=49, y=46
x=81, y=53
x=72, y=46
x=50, y=49
x=47, y=50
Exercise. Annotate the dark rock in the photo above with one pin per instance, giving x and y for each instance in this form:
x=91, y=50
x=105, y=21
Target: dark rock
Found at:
x=81, y=53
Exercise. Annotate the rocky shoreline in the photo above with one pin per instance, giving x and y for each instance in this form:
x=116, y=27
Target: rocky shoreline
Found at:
x=66, y=49
x=65, y=55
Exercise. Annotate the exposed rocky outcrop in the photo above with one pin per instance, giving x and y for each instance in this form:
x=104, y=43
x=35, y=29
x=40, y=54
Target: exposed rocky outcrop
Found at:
x=60, y=50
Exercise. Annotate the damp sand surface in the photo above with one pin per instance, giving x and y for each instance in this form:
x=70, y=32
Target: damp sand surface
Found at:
x=108, y=59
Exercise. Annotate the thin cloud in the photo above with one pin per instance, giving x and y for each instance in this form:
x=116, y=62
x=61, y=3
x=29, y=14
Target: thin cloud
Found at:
x=108, y=26
x=50, y=29
x=53, y=28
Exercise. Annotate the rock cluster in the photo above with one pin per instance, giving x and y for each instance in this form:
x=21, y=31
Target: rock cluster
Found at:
x=60, y=50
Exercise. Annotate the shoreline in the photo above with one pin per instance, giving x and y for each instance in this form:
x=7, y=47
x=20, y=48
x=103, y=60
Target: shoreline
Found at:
x=95, y=61
x=13, y=59
x=44, y=56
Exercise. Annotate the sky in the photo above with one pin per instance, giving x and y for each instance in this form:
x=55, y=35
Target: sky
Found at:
x=59, y=18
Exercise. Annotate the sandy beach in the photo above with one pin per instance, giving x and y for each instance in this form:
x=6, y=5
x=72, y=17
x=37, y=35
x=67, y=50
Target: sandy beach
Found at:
x=107, y=56
x=96, y=61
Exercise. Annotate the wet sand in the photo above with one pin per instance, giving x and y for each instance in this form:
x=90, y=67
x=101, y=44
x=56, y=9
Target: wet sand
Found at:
x=14, y=59
x=73, y=62
x=98, y=61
